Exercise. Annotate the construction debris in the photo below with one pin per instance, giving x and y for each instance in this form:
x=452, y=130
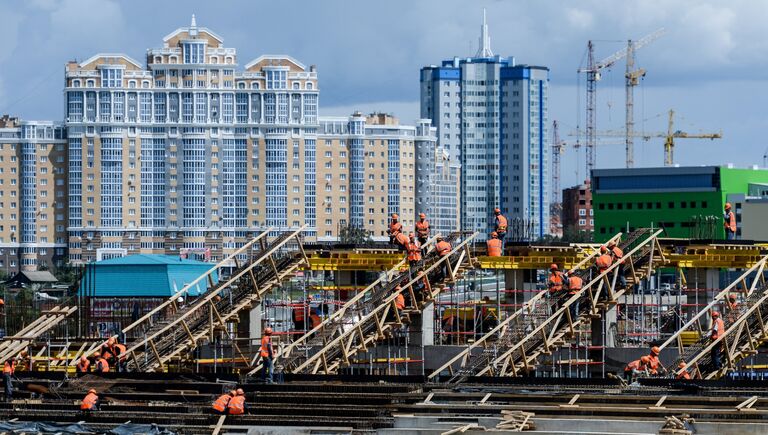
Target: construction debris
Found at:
x=516, y=421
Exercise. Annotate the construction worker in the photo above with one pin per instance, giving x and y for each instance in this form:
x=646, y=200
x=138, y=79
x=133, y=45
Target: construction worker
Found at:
x=90, y=402
x=120, y=354
x=236, y=405
x=494, y=245
x=9, y=368
x=109, y=351
x=300, y=312
x=422, y=229
x=83, y=365
x=399, y=299
x=102, y=365
x=488, y=316
x=267, y=356
x=555, y=283
x=574, y=284
x=220, y=405
x=501, y=224
x=636, y=367
x=684, y=374
x=402, y=241
x=729, y=222
x=604, y=260
x=654, y=365
x=395, y=227
x=414, y=250
x=718, y=328
x=618, y=257
x=733, y=308
x=443, y=249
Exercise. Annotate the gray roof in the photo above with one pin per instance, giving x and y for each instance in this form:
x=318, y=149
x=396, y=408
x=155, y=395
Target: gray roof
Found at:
x=40, y=276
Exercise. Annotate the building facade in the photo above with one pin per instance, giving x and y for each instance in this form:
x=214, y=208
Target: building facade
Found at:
x=368, y=169
x=189, y=151
x=577, y=214
x=33, y=192
x=686, y=201
x=491, y=117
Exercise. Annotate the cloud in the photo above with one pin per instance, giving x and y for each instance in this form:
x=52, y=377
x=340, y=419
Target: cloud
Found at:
x=579, y=18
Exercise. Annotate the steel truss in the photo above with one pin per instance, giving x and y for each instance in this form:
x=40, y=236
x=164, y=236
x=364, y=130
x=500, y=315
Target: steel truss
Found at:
x=372, y=316
x=11, y=345
x=746, y=328
x=535, y=330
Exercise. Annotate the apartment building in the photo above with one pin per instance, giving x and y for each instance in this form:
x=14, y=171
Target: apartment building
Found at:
x=33, y=188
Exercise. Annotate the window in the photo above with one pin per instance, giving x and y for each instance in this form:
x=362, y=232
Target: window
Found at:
x=582, y=212
x=277, y=79
x=194, y=52
x=582, y=222
x=111, y=77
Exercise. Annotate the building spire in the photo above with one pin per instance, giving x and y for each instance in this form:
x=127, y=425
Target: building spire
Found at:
x=484, y=48
x=194, y=22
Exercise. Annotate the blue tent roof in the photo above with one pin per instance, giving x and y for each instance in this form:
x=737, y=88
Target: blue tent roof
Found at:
x=144, y=275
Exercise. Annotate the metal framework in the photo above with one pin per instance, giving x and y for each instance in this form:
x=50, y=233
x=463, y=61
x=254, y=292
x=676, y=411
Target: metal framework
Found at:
x=532, y=331
x=10, y=346
x=362, y=324
x=746, y=327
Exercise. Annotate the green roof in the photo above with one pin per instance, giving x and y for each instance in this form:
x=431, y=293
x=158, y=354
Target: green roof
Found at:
x=144, y=275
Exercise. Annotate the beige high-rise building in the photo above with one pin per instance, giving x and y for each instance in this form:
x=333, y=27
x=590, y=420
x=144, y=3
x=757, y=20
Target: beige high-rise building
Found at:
x=33, y=192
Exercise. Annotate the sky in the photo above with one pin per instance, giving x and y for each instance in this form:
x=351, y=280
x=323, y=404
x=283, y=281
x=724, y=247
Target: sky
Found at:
x=710, y=66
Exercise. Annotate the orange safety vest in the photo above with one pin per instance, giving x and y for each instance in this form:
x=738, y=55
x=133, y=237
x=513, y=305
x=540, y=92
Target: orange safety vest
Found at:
x=221, y=403
x=9, y=368
x=237, y=405
x=730, y=222
x=402, y=239
x=89, y=402
x=574, y=284
x=102, y=365
x=395, y=228
x=718, y=327
x=83, y=368
x=298, y=313
x=494, y=247
x=400, y=301
x=501, y=224
x=555, y=282
x=266, y=342
x=443, y=248
x=617, y=253
x=414, y=251
x=108, y=351
x=120, y=348
x=314, y=319
x=422, y=228
x=603, y=262
x=634, y=365
x=654, y=363
x=684, y=375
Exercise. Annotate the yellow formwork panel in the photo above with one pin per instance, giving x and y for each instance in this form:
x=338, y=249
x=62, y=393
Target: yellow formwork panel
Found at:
x=350, y=261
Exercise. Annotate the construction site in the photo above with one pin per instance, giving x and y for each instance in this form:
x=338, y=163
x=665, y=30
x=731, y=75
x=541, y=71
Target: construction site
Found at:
x=478, y=343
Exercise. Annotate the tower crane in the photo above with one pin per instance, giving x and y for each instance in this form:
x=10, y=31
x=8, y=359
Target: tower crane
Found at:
x=593, y=72
x=669, y=137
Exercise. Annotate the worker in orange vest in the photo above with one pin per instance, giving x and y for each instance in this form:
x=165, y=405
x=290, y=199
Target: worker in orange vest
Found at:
x=501, y=224
x=604, y=260
x=422, y=229
x=729, y=222
x=220, y=405
x=90, y=402
x=654, y=364
x=574, y=284
x=555, y=283
x=399, y=299
x=102, y=365
x=494, y=245
x=402, y=241
x=267, y=356
x=636, y=367
x=733, y=308
x=395, y=227
x=109, y=351
x=617, y=256
x=443, y=249
x=9, y=368
x=684, y=374
x=718, y=329
x=236, y=405
x=414, y=250
x=300, y=312
x=83, y=366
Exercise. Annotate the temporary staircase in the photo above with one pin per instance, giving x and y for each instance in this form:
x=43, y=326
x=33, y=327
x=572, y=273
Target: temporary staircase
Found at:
x=513, y=347
x=746, y=328
x=11, y=345
x=371, y=316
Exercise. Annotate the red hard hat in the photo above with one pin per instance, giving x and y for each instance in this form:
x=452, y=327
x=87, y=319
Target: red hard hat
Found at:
x=553, y=266
x=732, y=297
x=268, y=331
x=655, y=350
x=603, y=249
x=645, y=359
x=727, y=205
x=716, y=314
x=496, y=210
x=422, y=215
x=2, y=302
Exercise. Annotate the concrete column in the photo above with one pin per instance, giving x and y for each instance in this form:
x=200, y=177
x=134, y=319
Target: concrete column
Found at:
x=519, y=279
x=426, y=335
x=254, y=324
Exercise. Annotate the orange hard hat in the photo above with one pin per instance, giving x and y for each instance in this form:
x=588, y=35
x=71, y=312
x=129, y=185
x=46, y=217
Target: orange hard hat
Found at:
x=233, y=393
x=716, y=314
x=92, y=391
x=732, y=297
x=397, y=287
x=655, y=350
x=411, y=235
x=727, y=205
x=83, y=358
x=2, y=302
x=395, y=216
x=97, y=354
x=240, y=392
x=644, y=359
x=681, y=365
x=422, y=215
x=438, y=238
x=268, y=330
x=494, y=234
x=603, y=249
x=111, y=340
x=497, y=210
x=553, y=266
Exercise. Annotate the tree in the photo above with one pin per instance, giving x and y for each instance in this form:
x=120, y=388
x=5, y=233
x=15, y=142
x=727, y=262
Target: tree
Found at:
x=574, y=235
x=354, y=236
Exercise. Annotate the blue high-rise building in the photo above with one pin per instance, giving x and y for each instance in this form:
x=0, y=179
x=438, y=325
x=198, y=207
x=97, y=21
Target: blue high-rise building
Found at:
x=491, y=116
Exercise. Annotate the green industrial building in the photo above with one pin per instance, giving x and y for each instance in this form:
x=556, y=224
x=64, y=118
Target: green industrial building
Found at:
x=686, y=201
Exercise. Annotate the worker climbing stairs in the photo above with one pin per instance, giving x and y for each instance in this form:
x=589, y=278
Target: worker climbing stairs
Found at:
x=514, y=346
x=373, y=315
x=743, y=308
